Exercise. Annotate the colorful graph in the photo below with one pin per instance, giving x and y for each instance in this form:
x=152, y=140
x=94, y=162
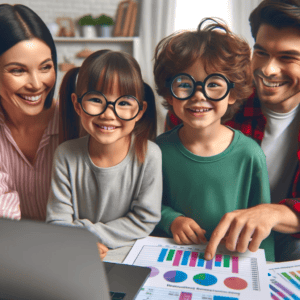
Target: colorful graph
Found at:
x=193, y=259
x=175, y=276
x=205, y=279
x=235, y=283
x=279, y=290
x=293, y=278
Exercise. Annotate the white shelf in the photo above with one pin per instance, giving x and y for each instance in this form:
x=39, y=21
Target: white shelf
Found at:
x=68, y=47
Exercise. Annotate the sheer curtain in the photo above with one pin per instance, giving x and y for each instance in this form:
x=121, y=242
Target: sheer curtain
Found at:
x=156, y=22
x=241, y=10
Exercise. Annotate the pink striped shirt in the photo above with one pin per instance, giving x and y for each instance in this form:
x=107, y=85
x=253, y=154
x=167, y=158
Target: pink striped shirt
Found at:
x=24, y=186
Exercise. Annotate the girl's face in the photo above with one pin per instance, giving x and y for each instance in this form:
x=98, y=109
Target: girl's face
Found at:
x=198, y=112
x=107, y=128
x=27, y=76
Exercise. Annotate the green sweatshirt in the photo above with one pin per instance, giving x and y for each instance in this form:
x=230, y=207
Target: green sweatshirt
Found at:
x=205, y=188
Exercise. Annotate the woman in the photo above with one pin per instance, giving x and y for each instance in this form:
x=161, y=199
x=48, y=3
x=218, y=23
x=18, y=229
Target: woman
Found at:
x=28, y=114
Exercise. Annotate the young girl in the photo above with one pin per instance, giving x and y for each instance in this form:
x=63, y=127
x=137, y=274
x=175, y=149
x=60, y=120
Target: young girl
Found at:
x=109, y=181
x=204, y=76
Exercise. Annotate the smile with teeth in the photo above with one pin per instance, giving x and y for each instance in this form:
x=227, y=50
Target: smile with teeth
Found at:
x=204, y=109
x=272, y=84
x=107, y=127
x=31, y=98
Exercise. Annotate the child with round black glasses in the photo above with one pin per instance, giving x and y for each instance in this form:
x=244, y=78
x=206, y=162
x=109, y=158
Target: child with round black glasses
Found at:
x=109, y=181
x=208, y=169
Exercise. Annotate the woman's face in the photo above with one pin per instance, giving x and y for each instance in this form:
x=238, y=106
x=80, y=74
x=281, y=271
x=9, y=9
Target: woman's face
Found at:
x=27, y=76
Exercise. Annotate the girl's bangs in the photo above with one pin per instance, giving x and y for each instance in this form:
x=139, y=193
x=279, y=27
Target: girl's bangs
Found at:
x=120, y=77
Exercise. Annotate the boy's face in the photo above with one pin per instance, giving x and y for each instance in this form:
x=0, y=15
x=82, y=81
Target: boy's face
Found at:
x=276, y=67
x=198, y=112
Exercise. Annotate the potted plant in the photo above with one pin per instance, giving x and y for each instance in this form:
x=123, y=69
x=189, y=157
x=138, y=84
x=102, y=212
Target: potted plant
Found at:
x=105, y=25
x=87, y=24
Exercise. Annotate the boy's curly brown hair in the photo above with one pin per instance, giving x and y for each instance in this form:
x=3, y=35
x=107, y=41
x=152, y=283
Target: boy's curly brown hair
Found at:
x=218, y=48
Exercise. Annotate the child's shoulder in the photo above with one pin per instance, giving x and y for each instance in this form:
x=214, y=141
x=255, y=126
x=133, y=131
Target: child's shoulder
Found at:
x=71, y=147
x=153, y=151
x=248, y=146
x=168, y=137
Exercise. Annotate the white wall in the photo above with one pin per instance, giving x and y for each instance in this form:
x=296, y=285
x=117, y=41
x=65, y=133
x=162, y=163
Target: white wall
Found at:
x=189, y=13
x=234, y=12
x=49, y=10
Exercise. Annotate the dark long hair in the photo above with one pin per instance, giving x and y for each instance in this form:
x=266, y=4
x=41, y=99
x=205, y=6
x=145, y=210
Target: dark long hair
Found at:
x=101, y=71
x=19, y=23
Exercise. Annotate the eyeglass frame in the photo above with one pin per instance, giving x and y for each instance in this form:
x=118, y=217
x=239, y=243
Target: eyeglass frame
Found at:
x=140, y=105
x=230, y=85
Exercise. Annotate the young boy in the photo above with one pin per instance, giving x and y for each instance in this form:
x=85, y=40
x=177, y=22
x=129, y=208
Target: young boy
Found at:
x=209, y=169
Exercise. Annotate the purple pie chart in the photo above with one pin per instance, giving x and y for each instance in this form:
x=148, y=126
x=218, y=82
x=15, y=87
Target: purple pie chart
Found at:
x=175, y=276
x=154, y=272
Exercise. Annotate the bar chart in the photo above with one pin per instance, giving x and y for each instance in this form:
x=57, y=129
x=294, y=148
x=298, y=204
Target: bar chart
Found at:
x=280, y=290
x=193, y=259
x=175, y=266
x=293, y=277
x=180, y=272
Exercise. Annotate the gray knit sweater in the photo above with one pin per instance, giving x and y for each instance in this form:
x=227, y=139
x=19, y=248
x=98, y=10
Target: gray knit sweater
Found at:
x=118, y=204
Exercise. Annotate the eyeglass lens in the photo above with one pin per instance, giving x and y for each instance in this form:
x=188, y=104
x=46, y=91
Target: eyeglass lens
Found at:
x=215, y=87
x=126, y=107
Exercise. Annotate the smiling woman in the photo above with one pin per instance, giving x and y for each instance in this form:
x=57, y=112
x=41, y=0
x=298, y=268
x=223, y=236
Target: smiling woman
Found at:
x=28, y=114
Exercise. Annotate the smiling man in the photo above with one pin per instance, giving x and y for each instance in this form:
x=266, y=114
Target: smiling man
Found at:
x=271, y=116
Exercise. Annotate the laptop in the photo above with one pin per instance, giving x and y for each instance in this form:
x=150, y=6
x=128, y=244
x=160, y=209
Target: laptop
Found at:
x=44, y=261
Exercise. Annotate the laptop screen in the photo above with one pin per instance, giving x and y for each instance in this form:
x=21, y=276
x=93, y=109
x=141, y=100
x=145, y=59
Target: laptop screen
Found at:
x=43, y=261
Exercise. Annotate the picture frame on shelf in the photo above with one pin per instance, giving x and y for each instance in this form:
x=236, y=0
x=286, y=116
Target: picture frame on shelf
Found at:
x=126, y=18
x=66, y=27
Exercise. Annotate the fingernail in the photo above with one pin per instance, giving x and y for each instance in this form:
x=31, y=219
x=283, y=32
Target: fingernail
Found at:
x=208, y=256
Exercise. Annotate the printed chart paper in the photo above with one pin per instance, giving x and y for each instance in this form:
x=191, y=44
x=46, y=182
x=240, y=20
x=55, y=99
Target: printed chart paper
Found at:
x=181, y=273
x=285, y=280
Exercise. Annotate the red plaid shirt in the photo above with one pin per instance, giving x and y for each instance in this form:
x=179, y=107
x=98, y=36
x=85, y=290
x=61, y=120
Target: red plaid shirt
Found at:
x=251, y=121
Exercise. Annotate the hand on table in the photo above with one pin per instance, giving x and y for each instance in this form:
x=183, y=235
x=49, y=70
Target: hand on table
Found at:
x=239, y=228
x=102, y=250
x=187, y=231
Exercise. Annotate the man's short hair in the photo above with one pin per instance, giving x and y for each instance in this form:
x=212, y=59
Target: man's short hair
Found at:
x=277, y=13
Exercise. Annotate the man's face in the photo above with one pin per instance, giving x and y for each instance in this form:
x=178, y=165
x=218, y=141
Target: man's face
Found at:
x=276, y=67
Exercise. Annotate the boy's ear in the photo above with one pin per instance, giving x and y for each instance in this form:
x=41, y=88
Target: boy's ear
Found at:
x=169, y=100
x=231, y=100
x=141, y=113
x=76, y=104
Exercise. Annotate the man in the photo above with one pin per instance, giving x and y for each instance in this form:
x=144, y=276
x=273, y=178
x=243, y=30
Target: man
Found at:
x=271, y=117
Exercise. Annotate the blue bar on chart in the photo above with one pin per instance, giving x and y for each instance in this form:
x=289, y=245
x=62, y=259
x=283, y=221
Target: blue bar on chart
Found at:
x=185, y=258
x=200, y=260
x=162, y=255
x=291, y=280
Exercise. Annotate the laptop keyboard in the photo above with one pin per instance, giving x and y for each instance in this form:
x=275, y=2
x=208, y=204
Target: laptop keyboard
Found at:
x=117, y=296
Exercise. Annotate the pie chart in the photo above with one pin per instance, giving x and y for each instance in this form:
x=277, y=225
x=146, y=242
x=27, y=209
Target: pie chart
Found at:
x=175, y=276
x=154, y=272
x=205, y=279
x=235, y=283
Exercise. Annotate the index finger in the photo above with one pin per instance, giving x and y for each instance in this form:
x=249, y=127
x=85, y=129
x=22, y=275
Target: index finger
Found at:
x=215, y=239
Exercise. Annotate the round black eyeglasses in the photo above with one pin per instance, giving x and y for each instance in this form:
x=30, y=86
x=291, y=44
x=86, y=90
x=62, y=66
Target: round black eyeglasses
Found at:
x=215, y=86
x=94, y=103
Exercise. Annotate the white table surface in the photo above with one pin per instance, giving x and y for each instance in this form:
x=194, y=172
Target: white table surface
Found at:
x=117, y=255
